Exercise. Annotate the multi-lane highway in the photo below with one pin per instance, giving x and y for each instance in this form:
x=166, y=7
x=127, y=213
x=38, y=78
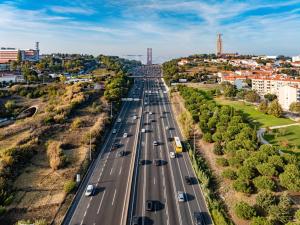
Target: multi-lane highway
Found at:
x=146, y=172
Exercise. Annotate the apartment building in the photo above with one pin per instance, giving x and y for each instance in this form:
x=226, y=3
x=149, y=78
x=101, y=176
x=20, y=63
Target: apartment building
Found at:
x=288, y=95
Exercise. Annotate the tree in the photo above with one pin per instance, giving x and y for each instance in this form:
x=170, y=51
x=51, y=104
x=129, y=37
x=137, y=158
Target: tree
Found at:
x=260, y=221
x=295, y=107
x=222, y=162
x=290, y=178
x=69, y=186
x=207, y=137
x=229, y=174
x=10, y=105
x=252, y=96
x=246, y=172
x=297, y=215
x=244, y=211
x=265, y=183
x=264, y=199
x=218, y=148
x=242, y=186
x=270, y=97
x=275, y=109
x=267, y=169
x=263, y=107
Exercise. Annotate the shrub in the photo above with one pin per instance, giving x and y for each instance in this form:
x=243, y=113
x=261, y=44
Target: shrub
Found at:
x=297, y=215
x=229, y=174
x=2, y=210
x=57, y=158
x=218, y=149
x=207, y=137
x=265, y=183
x=244, y=211
x=76, y=123
x=244, y=186
x=264, y=199
x=267, y=169
x=290, y=178
x=222, y=162
x=260, y=221
x=69, y=186
x=246, y=172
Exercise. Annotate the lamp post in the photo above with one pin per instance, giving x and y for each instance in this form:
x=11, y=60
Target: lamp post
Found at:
x=90, y=146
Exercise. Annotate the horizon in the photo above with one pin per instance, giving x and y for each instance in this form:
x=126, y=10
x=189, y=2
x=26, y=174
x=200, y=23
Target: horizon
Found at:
x=128, y=27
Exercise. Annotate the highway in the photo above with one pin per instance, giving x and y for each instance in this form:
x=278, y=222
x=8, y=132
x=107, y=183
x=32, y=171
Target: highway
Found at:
x=110, y=175
x=124, y=184
x=161, y=183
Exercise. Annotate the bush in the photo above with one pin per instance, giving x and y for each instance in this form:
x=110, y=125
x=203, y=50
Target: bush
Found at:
x=244, y=211
x=290, y=178
x=57, y=159
x=265, y=199
x=246, y=172
x=207, y=137
x=265, y=183
x=222, y=162
x=267, y=169
x=76, y=123
x=2, y=210
x=244, y=186
x=229, y=174
x=69, y=186
x=297, y=215
x=218, y=149
x=260, y=221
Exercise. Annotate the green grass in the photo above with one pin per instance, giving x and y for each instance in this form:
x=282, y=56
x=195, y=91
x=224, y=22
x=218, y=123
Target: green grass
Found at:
x=287, y=138
x=259, y=118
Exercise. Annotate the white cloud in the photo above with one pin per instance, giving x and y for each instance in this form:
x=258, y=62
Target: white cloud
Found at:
x=72, y=10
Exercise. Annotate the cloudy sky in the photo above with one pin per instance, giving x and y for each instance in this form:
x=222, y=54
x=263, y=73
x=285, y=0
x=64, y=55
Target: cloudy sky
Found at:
x=171, y=27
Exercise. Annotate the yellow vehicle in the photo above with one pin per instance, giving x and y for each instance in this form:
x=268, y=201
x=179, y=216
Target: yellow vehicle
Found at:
x=178, y=145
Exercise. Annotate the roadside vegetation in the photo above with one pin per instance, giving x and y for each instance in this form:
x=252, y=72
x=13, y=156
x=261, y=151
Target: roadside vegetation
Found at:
x=41, y=155
x=250, y=169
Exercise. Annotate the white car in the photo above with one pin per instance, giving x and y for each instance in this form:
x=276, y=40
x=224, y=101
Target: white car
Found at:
x=155, y=143
x=89, y=190
x=125, y=135
x=172, y=155
x=119, y=120
x=150, y=113
x=180, y=196
x=134, y=117
x=143, y=130
x=114, y=131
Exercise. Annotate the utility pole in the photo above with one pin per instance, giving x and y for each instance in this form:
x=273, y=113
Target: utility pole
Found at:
x=194, y=139
x=90, y=146
x=111, y=112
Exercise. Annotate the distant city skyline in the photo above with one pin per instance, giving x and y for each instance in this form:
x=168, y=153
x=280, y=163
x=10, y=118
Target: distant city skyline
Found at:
x=172, y=28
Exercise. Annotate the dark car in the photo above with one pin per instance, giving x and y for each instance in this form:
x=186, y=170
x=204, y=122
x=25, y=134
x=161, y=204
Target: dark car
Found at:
x=157, y=162
x=135, y=220
x=149, y=205
x=115, y=146
x=121, y=153
x=141, y=162
x=170, y=139
x=188, y=180
x=198, y=220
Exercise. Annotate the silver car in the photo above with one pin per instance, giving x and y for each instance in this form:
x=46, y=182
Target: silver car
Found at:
x=180, y=196
x=89, y=190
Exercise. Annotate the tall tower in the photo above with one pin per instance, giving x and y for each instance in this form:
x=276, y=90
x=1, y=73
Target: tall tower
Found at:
x=37, y=48
x=149, y=56
x=219, y=45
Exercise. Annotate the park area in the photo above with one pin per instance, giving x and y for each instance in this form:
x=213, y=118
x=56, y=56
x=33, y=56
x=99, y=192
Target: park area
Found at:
x=288, y=138
x=258, y=118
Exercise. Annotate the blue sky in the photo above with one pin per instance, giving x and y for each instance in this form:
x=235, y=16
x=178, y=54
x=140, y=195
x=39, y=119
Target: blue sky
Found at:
x=172, y=28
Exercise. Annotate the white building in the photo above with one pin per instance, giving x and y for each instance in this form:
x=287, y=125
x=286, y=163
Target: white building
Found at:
x=296, y=58
x=11, y=78
x=288, y=95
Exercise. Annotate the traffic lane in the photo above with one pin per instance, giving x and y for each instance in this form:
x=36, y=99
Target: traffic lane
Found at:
x=80, y=211
x=195, y=194
x=185, y=210
x=107, y=188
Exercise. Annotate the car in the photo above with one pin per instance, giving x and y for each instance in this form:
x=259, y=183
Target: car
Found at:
x=157, y=162
x=155, y=143
x=114, y=131
x=172, y=155
x=180, y=196
x=119, y=120
x=188, y=180
x=121, y=153
x=141, y=162
x=198, y=220
x=170, y=139
x=115, y=146
x=149, y=205
x=153, y=120
x=125, y=135
x=135, y=220
x=167, y=128
x=150, y=113
x=143, y=130
x=89, y=190
x=134, y=117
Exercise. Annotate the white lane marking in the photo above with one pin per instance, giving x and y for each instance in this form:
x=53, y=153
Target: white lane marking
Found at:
x=81, y=222
x=154, y=181
x=88, y=205
x=101, y=202
x=84, y=213
x=112, y=168
x=120, y=171
x=113, y=201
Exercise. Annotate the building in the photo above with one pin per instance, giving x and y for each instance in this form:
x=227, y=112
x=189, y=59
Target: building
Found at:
x=272, y=84
x=8, y=55
x=149, y=56
x=11, y=78
x=219, y=51
x=183, y=62
x=288, y=95
x=296, y=58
